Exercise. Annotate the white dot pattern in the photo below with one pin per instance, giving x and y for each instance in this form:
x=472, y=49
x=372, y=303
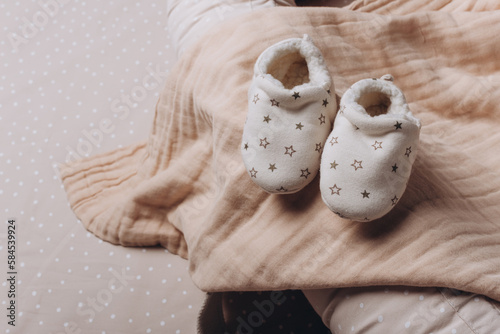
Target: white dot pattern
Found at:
x=79, y=78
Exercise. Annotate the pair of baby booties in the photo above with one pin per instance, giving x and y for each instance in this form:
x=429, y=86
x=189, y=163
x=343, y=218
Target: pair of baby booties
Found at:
x=364, y=162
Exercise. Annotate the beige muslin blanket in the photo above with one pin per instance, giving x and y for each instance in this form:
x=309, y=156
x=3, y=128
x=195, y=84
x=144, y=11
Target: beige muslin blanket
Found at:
x=186, y=188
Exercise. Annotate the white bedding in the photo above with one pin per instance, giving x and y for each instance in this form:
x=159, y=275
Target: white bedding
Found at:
x=78, y=78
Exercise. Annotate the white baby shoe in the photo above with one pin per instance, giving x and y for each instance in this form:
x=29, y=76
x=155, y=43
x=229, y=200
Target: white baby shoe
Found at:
x=367, y=159
x=290, y=113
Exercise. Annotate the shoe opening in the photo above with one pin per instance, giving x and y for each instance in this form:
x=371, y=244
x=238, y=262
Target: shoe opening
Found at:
x=291, y=70
x=375, y=103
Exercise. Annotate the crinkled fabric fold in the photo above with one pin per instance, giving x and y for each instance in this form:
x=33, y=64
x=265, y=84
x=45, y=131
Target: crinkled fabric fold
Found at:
x=187, y=189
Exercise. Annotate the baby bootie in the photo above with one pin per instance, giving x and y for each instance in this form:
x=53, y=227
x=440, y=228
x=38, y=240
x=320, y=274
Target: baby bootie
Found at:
x=291, y=108
x=368, y=156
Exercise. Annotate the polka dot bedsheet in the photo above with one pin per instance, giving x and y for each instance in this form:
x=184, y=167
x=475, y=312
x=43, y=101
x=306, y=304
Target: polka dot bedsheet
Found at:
x=79, y=78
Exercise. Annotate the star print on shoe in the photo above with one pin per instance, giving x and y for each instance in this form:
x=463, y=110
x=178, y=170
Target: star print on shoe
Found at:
x=339, y=214
x=290, y=113
x=377, y=145
x=374, y=134
x=394, y=200
x=264, y=142
x=335, y=190
x=408, y=151
x=356, y=164
x=253, y=172
x=305, y=173
x=289, y=150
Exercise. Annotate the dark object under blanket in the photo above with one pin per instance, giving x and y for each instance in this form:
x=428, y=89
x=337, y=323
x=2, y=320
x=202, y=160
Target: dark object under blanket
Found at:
x=260, y=313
